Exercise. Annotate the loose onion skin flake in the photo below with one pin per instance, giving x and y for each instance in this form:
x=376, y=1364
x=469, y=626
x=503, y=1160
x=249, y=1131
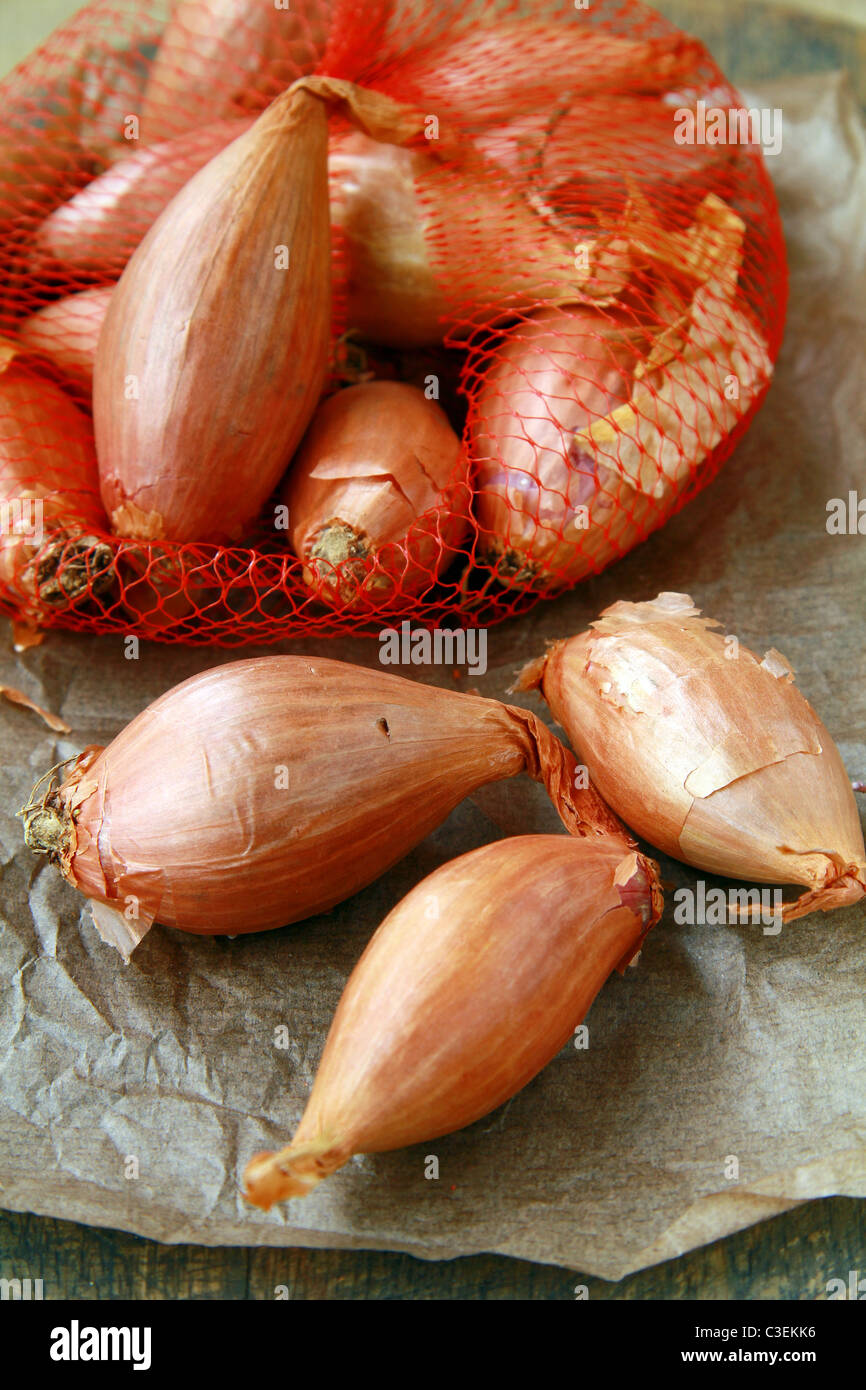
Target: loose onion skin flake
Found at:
x=267, y=790
x=710, y=753
x=469, y=987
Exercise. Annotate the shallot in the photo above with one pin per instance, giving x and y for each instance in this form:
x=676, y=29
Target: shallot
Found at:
x=469, y=987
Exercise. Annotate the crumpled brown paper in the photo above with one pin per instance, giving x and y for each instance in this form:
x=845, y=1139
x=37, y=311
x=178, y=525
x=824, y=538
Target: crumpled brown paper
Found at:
x=132, y=1096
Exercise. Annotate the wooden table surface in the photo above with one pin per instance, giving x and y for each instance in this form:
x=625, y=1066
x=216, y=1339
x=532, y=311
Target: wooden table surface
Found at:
x=787, y=1257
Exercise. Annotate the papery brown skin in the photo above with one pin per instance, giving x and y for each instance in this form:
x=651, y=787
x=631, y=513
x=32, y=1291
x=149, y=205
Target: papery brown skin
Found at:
x=716, y=759
x=469, y=987
x=377, y=475
x=482, y=75
x=97, y=231
x=590, y=166
x=229, y=351
x=268, y=790
x=47, y=459
x=218, y=57
x=67, y=332
x=432, y=246
x=617, y=477
x=553, y=374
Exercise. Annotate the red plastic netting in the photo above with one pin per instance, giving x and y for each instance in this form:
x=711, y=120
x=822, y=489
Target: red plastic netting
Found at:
x=571, y=282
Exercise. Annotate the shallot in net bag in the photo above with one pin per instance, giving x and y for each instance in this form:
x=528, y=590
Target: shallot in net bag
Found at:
x=554, y=226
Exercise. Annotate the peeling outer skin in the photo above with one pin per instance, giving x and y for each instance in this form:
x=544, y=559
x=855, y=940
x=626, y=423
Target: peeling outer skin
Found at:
x=130, y=520
x=108, y=883
x=634, y=876
x=116, y=929
x=720, y=763
x=581, y=809
x=840, y=889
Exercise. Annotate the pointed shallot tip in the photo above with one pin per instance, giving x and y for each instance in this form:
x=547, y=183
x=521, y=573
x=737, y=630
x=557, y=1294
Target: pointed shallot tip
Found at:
x=846, y=889
x=272, y=1177
x=263, y=1180
x=531, y=676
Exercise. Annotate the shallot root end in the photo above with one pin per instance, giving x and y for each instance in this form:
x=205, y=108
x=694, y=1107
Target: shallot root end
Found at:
x=75, y=569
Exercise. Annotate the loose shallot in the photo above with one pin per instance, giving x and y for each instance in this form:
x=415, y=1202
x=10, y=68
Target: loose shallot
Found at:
x=469, y=987
x=267, y=790
x=707, y=751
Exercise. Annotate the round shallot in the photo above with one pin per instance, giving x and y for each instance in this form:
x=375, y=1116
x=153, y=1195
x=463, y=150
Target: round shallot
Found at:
x=376, y=497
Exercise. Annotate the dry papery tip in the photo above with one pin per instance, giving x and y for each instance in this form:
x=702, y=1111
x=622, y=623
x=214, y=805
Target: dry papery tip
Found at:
x=530, y=676
x=294, y=1171
x=47, y=827
x=380, y=116
x=844, y=890
x=637, y=880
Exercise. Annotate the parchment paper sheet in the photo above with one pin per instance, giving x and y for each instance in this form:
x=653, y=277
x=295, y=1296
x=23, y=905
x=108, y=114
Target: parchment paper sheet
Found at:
x=721, y=1042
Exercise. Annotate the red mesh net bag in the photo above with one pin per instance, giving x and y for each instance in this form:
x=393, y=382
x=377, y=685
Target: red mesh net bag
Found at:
x=557, y=286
